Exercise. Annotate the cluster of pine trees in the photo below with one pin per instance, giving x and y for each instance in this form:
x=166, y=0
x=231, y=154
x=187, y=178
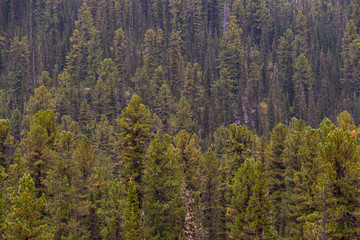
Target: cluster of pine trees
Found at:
x=127, y=119
x=136, y=182
x=214, y=62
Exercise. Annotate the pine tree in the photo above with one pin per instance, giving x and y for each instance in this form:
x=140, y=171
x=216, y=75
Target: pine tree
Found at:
x=5, y=142
x=19, y=71
x=251, y=206
x=193, y=91
x=302, y=80
x=275, y=168
x=39, y=147
x=133, y=138
x=175, y=64
x=188, y=153
x=210, y=185
x=103, y=136
x=162, y=179
x=85, y=216
x=133, y=230
x=164, y=107
x=25, y=219
x=183, y=118
x=40, y=101
x=112, y=207
x=240, y=144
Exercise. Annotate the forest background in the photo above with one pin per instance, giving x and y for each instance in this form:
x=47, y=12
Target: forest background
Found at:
x=179, y=119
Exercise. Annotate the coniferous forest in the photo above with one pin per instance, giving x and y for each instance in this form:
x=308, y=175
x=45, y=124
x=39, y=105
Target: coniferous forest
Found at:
x=180, y=119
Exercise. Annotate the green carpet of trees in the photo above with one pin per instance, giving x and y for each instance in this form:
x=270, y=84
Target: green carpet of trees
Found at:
x=179, y=119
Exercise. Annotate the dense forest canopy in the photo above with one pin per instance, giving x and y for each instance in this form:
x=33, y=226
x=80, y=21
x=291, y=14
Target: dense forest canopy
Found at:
x=179, y=119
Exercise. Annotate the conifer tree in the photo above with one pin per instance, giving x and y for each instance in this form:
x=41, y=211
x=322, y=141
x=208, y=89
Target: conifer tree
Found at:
x=40, y=101
x=25, y=219
x=192, y=87
x=19, y=70
x=275, y=167
x=103, y=136
x=188, y=153
x=120, y=57
x=183, y=118
x=302, y=81
x=105, y=100
x=133, y=138
x=39, y=147
x=164, y=107
x=240, y=144
x=251, y=206
x=162, y=180
x=112, y=207
x=133, y=230
x=210, y=185
x=175, y=64
x=5, y=142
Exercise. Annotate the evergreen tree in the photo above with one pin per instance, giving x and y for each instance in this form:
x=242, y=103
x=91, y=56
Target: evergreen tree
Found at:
x=250, y=206
x=40, y=101
x=133, y=138
x=25, y=219
x=275, y=168
x=39, y=146
x=133, y=230
x=183, y=118
x=5, y=142
x=302, y=80
x=175, y=64
x=162, y=180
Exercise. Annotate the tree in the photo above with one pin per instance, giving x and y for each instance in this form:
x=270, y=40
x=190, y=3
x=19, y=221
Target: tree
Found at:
x=240, y=144
x=162, y=181
x=103, y=136
x=40, y=101
x=85, y=171
x=133, y=139
x=25, y=219
x=302, y=80
x=133, y=230
x=19, y=74
x=210, y=200
x=106, y=97
x=193, y=91
x=188, y=153
x=5, y=142
x=183, y=118
x=275, y=167
x=175, y=64
x=251, y=211
x=164, y=107
x=39, y=147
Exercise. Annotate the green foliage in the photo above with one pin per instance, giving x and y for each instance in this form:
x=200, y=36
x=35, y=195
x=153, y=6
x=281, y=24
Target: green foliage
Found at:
x=25, y=220
x=250, y=211
x=133, y=138
x=5, y=141
x=162, y=181
x=132, y=224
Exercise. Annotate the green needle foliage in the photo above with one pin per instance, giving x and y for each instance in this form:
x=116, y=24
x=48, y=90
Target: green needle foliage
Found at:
x=25, y=220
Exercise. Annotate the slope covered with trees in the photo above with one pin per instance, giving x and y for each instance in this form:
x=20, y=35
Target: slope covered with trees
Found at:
x=179, y=119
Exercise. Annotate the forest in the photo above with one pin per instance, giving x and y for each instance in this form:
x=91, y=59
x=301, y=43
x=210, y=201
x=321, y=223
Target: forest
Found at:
x=180, y=119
